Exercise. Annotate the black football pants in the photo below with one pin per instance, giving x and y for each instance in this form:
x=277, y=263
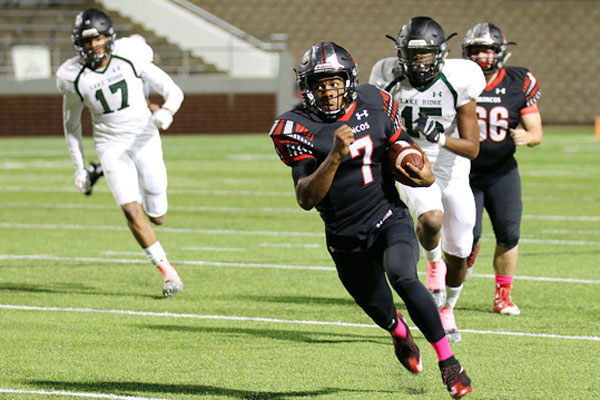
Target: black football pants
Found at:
x=395, y=253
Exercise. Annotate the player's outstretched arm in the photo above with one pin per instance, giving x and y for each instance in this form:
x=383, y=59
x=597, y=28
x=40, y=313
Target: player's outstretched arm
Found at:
x=311, y=189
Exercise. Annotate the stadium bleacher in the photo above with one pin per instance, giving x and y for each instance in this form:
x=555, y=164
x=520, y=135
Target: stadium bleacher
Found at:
x=48, y=23
x=557, y=45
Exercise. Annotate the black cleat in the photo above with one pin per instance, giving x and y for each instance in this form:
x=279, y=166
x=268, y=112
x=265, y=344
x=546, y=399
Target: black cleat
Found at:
x=456, y=380
x=94, y=171
x=406, y=350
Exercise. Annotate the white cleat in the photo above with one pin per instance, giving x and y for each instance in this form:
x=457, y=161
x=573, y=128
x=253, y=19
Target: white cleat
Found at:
x=171, y=288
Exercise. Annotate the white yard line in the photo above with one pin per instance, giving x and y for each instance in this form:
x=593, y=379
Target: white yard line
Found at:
x=75, y=394
x=49, y=257
x=577, y=218
x=250, y=233
x=272, y=320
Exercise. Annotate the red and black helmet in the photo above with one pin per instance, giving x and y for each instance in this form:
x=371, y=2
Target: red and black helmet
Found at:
x=485, y=34
x=327, y=59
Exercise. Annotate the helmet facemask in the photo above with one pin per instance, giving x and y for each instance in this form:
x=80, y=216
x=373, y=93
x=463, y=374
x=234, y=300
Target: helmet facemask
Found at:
x=342, y=98
x=486, y=36
x=421, y=63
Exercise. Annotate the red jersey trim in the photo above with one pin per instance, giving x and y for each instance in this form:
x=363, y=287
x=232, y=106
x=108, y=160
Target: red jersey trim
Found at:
x=348, y=113
x=396, y=135
x=302, y=157
x=496, y=81
x=530, y=110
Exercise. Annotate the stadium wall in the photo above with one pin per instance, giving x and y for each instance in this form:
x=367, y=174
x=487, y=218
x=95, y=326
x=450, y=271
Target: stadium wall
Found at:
x=212, y=104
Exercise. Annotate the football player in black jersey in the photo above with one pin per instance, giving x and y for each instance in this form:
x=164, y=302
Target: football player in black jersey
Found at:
x=508, y=117
x=335, y=145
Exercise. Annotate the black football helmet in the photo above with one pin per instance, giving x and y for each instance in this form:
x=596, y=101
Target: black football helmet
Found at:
x=327, y=59
x=421, y=35
x=487, y=35
x=89, y=24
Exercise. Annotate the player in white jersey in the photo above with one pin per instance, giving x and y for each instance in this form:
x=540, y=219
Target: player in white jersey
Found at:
x=437, y=98
x=112, y=78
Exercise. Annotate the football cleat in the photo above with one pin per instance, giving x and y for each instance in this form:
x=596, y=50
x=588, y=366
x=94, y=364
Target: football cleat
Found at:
x=94, y=171
x=453, y=336
x=456, y=380
x=503, y=303
x=439, y=297
x=171, y=288
x=435, y=282
x=406, y=350
x=471, y=260
x=449, y=324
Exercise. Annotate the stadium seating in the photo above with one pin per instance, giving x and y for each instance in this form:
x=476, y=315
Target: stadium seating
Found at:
x=49, y=23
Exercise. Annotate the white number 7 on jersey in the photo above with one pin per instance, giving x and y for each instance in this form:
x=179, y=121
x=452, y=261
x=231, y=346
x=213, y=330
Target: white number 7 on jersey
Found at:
x=365, y=143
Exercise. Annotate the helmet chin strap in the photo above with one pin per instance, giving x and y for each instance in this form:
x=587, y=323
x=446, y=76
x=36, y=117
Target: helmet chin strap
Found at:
x=95, y=60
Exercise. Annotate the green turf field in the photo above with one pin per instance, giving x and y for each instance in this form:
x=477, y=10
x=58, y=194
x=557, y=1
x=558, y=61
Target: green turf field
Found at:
x=263, y=315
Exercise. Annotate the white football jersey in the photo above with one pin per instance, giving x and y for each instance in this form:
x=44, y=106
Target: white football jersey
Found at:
x=460, y=82
x=116, y=95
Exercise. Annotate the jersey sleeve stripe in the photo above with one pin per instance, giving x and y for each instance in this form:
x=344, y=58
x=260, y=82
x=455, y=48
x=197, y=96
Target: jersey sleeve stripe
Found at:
x=396, y=135
x=293, y=142
x=531, y=88
x=530, y=109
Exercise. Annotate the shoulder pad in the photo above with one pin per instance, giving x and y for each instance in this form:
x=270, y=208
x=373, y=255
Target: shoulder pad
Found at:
x=69, y=69
x=384, y=71
x=464, y=74
x=134, y=48
x=67, y=73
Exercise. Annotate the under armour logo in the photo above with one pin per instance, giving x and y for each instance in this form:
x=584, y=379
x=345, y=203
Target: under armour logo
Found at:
x=364, y=113
x=500, y=90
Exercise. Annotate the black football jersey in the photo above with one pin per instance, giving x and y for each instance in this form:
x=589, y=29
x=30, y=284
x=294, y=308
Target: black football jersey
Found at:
x=498, y=109
x=362, y=194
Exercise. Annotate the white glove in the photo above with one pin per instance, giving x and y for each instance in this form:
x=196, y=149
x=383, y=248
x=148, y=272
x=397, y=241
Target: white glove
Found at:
x=162, y=118
x=82, y=180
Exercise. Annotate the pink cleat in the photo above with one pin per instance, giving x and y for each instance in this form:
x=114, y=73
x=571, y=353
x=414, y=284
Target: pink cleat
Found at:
x=502, y=301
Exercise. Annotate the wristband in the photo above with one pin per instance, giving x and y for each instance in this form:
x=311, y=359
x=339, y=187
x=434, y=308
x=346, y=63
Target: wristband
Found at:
x=442, y=139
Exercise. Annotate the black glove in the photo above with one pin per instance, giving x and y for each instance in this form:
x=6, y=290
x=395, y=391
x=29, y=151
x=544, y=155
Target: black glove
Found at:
x=426, y=127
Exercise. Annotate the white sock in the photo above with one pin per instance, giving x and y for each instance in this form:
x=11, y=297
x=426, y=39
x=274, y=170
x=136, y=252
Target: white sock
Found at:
x=433, y=255
x=452, y=295
x=156, y=254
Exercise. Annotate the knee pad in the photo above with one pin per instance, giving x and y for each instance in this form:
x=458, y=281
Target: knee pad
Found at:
x=155, y=205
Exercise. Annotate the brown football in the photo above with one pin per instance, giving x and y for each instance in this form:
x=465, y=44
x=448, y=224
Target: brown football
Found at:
x=401, y=153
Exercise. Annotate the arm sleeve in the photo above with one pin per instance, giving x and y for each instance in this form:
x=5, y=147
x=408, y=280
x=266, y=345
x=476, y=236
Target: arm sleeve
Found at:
x=72, y=108
x=162, y=83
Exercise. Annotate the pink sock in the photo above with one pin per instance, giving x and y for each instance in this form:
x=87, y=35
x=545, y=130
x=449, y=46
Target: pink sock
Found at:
x=167, y=271
x=400, y=330
x=504, y=279
x=442, y=349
